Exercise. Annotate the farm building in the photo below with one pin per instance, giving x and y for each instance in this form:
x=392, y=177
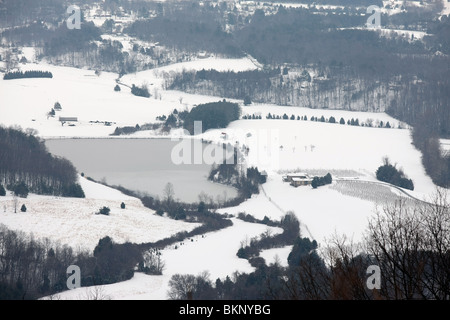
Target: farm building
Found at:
x=67, y=119
x=298, y=179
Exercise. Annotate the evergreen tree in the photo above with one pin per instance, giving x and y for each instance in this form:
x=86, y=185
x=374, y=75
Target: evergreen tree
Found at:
x=105, y=211
x=122, y=205
x=117, y=88
x=247, y=100
x=342, y=121
x=23, y=208
x=2, y=191
x=21, y=190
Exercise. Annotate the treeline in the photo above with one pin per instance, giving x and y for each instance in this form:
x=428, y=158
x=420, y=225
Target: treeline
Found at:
x=27, y=74
x=345, y=3
x=236, y=85
x=400, y=239
x=21, y=12
x=351, y=122
x=30, y=268
x=188, y=27
x=25, y=159
x=291, y=231
x=321, y=181
x=437, y=164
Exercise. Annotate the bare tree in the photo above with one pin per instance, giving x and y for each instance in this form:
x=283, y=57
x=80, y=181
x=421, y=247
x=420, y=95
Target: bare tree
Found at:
x=411, y=244
x=153, y=264
x=181, y=287
x=15, y=202
x=95, y=293
x=169, y=193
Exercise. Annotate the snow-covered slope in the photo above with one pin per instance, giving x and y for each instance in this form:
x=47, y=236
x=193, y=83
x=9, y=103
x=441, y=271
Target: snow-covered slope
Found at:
x=345, y=151
x=74, y=221
x=214, y=253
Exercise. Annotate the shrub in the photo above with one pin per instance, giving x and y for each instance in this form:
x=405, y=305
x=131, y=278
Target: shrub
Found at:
x=122, y=205
x=321, y=181
x=140, y=91
x=117, y=88
x=23, y=208
x=21, y=190
x=390, y=174
x=74, y=190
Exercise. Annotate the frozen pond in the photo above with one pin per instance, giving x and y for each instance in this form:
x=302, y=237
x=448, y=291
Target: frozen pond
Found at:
x=141, y=164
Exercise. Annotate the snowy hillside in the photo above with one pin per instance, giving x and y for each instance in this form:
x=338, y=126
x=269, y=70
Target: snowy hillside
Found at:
x=292, y=145
x=74, y=221
x=214, y=253
x=93, y=101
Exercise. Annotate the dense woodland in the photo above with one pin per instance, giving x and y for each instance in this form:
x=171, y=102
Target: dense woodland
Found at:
x=30, y=268
x=24, y=160
x=212, y=115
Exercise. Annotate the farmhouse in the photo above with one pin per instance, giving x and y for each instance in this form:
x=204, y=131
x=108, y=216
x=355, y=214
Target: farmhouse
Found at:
x=298, y=179
x=67, y=119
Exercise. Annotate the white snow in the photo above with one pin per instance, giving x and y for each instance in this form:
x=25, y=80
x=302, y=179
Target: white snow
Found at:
x=278, y=255
x=345, y=151
x=90, y=98
x=214, y=253
x=446, y=9
x=74, y=221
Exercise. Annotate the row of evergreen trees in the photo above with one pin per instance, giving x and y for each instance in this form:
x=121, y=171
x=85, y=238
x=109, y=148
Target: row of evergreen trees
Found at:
x=27, y=74
x=350, y=122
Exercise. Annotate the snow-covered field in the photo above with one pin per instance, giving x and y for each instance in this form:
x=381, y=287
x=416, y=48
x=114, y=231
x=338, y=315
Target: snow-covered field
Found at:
x=91, y=98
x=277, y=146
x=74, y=221
x=214, y=253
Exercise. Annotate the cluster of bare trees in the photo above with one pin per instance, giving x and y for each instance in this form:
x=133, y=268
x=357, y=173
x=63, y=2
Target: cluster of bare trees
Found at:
x=407, y=244
x=30, y=268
